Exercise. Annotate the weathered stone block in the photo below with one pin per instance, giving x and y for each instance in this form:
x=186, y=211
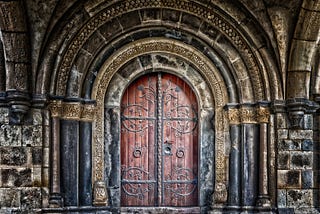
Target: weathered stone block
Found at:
x=10, y=197
x=45, y=177
x=37, y=155
x=37, y=117
x=13, y=156
x=31, y=198
x=32, y=135
x=170, y=15
x=45, y=157
x=301, y=160
x=10, y=135
x=307, y=179
x=283, y=160
x=282, y=198
x=45, y=196
x=299, y=198
x=307, y=145
x=36, y=177
x=308, y=122
x=149, y=15
x=289, y=179
x=287, y=145
x=4, y=116
x=300, y=134
x=16, y=177
x=281, y=121
x=282, y=134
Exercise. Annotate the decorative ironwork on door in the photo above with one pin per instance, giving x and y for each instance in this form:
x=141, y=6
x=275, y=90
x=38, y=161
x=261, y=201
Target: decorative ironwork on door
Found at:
x=159, y=143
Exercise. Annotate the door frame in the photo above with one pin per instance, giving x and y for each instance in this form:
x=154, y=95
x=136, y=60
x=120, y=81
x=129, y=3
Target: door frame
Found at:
x=206, y=148
x=156, y=77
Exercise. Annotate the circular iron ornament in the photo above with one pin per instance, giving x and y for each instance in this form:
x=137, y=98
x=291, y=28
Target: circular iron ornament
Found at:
x=180, y=153
x=137, y=153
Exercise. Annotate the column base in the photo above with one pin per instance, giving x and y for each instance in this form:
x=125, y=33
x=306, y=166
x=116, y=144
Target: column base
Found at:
x=55, y=200
x=263, y=201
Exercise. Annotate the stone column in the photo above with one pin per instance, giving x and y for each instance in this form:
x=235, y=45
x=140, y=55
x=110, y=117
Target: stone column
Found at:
x=85, y=155
x=249, y=156
x=69, y=161
x=234, y=195
x=55, y=199
x=16, y=46
x=263, y=115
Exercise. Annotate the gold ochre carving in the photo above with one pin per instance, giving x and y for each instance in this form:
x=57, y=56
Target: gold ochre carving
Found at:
x=88, y=112
x=248, y=114
x=55, y=108
x=234, y=116
x=159, y=45
x=72, y=111
x=116, y=9
x=263, y=115
x=100, y=194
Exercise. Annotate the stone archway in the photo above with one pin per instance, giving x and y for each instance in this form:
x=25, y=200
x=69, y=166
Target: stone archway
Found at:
x=167, y=56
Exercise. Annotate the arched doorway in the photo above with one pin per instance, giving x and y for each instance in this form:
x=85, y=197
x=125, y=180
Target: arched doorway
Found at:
x=159, y=142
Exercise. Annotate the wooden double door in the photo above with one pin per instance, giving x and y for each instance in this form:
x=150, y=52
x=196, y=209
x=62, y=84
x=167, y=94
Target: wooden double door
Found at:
x=159, y=142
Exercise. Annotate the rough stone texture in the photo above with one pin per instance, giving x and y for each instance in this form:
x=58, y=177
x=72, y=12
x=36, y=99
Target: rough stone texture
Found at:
x=279, y=41
x=16, y=177
x=32, y=135
x=289, y=178
x=301, y=160
x=13, y=156
x=282, y=198
x=10, y=197
x=300, y=198
x=10, y=135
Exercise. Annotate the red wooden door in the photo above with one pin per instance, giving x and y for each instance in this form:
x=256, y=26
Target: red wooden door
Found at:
x=159, y=143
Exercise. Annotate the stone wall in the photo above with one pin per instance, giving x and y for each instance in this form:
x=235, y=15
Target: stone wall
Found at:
x=24, y=158
x=297, y=189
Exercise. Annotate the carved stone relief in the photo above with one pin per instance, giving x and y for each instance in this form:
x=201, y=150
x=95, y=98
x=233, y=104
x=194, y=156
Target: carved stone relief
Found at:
x=189, y=54
x=119, y=8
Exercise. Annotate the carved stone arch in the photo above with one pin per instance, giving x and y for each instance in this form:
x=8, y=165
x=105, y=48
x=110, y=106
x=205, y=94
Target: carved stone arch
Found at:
x=168, y=63
x=227, y=29
x=239, y=59
x=209, y=73
x=303, y=48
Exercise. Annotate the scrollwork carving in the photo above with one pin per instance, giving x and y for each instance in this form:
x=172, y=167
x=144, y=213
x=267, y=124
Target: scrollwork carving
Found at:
x=71, y=111
x=100, y=194
x=234, y=116
x=88, y=112
x=263, y=114
x=119, y=8
x=248, y=114
x=55, y=108
x=159, y=45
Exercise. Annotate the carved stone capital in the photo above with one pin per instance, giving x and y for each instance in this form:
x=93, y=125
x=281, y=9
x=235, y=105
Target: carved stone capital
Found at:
x=100, y=195
x=233, y=113
x=297, y=108
x=55, y=108
x=71, y=111
x=248, y=114
x=88, y=112
x=263, y=114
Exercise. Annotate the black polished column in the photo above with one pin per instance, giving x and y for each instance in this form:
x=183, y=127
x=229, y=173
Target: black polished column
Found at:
x=234, y=194
x=69, y=161
x=85, y=162
x=249, y=156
